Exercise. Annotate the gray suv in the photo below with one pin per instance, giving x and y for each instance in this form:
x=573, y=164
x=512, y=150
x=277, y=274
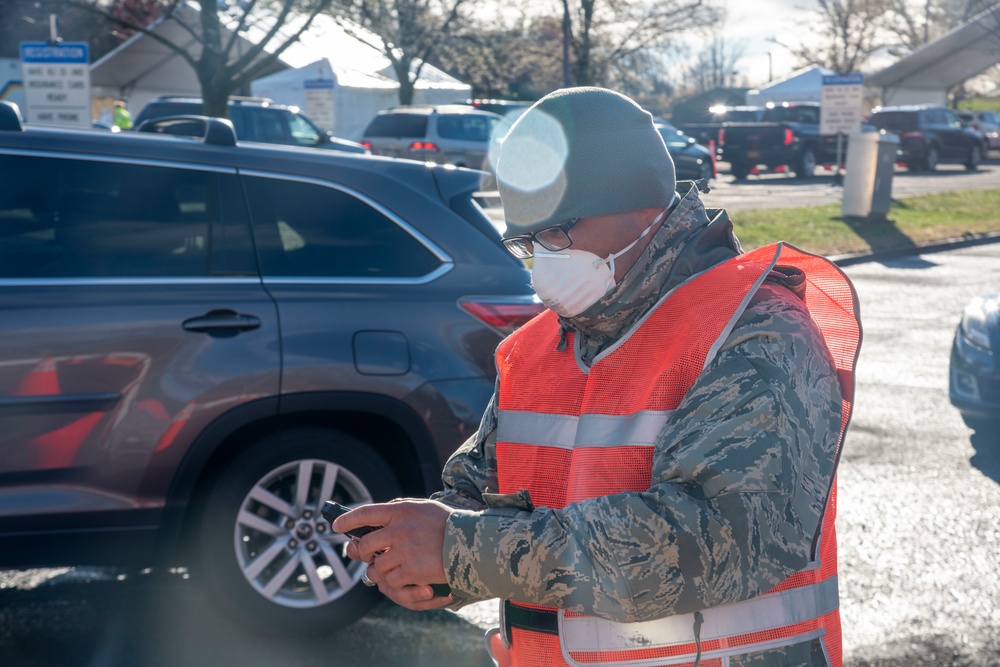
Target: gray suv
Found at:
x=453, y=134
x=202, y=342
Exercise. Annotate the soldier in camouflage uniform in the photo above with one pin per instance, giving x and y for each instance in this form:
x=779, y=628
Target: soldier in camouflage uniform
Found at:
x=741, y=468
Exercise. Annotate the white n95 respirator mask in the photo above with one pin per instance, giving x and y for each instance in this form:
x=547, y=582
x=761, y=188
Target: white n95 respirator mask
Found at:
x=570, y=281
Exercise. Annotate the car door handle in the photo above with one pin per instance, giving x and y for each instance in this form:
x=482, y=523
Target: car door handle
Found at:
x=222, y=320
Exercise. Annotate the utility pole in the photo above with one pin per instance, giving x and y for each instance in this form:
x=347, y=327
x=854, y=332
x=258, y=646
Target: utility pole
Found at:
x=565, y=44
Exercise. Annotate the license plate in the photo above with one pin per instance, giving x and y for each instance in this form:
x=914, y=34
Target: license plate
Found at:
x=753, y=153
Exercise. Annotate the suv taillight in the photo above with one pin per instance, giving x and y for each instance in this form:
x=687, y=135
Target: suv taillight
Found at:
x=424, y=147
x=789, y=137
x=722, y=137
x=502, y=314
x=367, y=144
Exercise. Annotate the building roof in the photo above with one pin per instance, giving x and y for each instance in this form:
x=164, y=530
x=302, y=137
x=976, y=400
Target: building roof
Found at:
x=961, y=54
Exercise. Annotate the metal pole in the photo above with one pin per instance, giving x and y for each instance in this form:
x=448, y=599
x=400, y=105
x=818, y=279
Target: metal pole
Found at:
x=838, y=178
x=53, y=30
x=565, y=44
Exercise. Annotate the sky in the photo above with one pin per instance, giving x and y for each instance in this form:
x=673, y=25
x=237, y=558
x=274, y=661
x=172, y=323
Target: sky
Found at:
x=754, y=23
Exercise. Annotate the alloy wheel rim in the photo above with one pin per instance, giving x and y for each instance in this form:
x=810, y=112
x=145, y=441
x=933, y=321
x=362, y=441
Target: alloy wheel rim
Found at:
x=809, y=163
x=284, y=547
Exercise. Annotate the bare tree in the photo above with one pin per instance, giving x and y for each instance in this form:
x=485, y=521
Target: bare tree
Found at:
x=220, y=65
x=603, y=33
x=410, y=31
x=842, y=34
x=715, y=65
x=520, y=60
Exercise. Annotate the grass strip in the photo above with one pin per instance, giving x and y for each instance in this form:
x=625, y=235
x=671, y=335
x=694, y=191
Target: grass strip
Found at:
x=911, y=221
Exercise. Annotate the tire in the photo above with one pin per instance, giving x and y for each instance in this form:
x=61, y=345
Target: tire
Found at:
x=254, y=528
x=975, y=158
x=930, y=162
x=739, y=170
x=806, y=168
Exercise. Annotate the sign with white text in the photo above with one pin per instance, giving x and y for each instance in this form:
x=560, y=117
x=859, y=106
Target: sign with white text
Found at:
x=56, y=83
x=840, y=104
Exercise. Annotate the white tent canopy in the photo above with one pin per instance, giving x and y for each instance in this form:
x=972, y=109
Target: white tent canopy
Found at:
x=142, y=69
x=355, y=97
x=804, y=85
x=362, y=76
x=925, y=75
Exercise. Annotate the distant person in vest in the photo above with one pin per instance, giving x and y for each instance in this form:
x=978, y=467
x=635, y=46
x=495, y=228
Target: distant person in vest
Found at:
x=653, y=481
x=122, y=118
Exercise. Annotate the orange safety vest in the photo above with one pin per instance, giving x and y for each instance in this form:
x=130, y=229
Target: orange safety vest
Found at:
x=592, y=433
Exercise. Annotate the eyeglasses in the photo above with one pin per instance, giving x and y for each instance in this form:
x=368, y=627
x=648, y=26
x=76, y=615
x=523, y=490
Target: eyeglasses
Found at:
x=551, y=238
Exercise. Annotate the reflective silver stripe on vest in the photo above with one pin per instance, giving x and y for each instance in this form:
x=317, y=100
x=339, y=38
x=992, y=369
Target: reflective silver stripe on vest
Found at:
x=568, y=432
x=766, y=612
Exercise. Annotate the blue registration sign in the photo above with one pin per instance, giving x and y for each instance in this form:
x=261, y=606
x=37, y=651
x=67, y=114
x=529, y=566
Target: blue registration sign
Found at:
x=56, y=83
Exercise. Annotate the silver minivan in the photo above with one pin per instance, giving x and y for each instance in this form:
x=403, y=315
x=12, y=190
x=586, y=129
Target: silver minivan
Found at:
x=446, y=134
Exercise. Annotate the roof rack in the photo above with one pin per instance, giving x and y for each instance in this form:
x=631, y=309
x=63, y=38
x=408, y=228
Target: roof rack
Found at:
x=214, y=131
x=10, y=117
x=231, y=98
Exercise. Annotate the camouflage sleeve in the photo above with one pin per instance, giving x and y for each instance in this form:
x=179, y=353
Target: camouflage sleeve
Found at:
x=740, y=477
x=472, y=469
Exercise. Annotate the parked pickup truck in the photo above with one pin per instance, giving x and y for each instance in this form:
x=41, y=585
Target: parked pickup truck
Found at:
x=788, y=135
x=706, y=130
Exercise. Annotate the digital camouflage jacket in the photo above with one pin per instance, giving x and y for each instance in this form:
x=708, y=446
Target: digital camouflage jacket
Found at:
x=740, y=472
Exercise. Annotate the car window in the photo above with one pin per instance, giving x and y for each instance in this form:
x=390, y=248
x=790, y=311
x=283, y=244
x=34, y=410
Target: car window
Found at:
x=951, y=119
x=894, y=121
x=267, y=126
x=742, y=115
x=69, y=218
x=672, y=138
x=935, y=117
x=162, y=109
x=409, y=125
x=465, y=127
x=310, y=230
x=794, y=114
x=303, y=132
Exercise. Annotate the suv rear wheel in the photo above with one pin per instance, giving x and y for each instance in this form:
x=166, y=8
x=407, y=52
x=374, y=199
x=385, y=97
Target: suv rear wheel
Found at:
x=267, y=554
x=975, y=157
x=807, y=164
x=931, y=159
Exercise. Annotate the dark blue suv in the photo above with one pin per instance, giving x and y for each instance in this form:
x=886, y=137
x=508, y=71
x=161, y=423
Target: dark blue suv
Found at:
x=201, y=342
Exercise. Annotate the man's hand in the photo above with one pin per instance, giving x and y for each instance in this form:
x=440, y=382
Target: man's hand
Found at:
x=404, y=556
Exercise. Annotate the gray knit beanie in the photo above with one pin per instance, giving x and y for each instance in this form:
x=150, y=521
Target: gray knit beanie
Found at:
x=581, y=152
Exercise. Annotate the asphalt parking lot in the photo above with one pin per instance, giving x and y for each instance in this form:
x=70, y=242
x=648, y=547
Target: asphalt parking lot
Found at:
x=919, y=529
x=774, y=190
x=785, y=191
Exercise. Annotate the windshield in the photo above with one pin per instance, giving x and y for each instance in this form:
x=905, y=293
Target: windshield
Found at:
x=897, y=121
x=673, y=138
